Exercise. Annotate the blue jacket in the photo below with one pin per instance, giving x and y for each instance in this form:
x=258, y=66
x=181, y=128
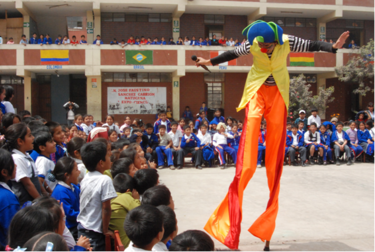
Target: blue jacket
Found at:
x=304, y=123
x=162, y=42
x=194, y=42
x=57, y=41
x=363, y=136
x=40, y=41
x=334, y=137
x=289, y=132
x=234, y=141
x=152, y=142
x=9, y=206
x=33, y=41
x=263, y=139
x=101, y=41
x=194, y=141
x=2, y=107
x=206, y=43
x=289, y=140
x=188, y=115
x=333, y=127
x=47, y=40
x=217, y=120
x=158, y=123
x=325, y=138
x=198, y=122
x=70, y=201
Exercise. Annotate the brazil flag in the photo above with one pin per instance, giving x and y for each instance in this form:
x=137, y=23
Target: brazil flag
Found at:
x=134, y=57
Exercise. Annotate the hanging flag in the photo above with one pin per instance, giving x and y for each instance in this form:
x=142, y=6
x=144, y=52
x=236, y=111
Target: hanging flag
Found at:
x=228, y=63
x=302, y=59
x=54, y=57
x=134, y=57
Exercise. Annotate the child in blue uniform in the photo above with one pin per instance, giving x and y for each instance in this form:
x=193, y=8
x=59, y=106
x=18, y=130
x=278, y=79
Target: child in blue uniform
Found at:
x=218, y=118
x=149, y=146
x=235, y=141
x=325, y=140
x=365, y=140
x=261, y=146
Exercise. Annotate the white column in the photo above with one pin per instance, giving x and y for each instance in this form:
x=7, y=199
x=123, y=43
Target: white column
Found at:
x=94, y=96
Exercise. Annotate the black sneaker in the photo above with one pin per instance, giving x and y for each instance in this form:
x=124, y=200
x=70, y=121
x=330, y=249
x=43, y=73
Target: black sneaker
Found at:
x=320, y=160
x=337, y=162
x=199, y=167
x=295, y=164
x=349, y=162
x=311, y=159
x=179, y=167
x=222, y=166
x=303, y=164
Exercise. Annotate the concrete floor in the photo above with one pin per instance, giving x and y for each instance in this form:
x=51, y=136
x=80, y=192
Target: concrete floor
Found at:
x=320, y=207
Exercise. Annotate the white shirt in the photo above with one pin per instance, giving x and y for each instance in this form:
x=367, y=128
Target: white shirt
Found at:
x=164, y=140
x=131, y=248
x=8, y=107
x=160, y=246
x=228, y=129
x=3, y=184
x=68, y=237
x=82, y=169
x=372, y=132
x=315, y=137
x=314, y=119
x=23, y=41
x=45, y=166
x=70, y=115
x=295, y=139
x=25, y=165
x=176, y=137
x=112, y=127
x=87, y=128
x=230, y=43
x=206, y=138
x=340, y=137
x=95, y=189
x=67, y=41
x=220, y=139
x=187, y=42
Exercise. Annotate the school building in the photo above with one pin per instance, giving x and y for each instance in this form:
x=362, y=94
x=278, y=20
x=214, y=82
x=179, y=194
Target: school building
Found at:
x=139, y=80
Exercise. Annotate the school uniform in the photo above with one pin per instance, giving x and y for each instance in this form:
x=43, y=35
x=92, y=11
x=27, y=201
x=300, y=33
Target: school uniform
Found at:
x=25, y=168
x=178, y=155
x=45, y=167
x=302, y=132
x=295, y=140
x=98, y=41
x=33, y=41
x=356, y=150
x=83, y=42
x=363, y=136
x=206, y=143
x=316, y=119
x=160, y=246
x=325, y=139
x=340, y=138
x=193, y=42
x=261, y=147
x=199, y=122
x=289, y=132
x=60, y=152
x=164, y=141
x=190, y=147
x=206, y=43
x=112, y=127
x=40, y=41
x=152, y=142
x=310, y=140
x=162, y=43
x=159, y=122
x=221, y=140
x=304, y=122
x=79, y=127
x=87, y=128
x=81, y=167
x=9, y=206
x=217, y=120
x=234, y=142
x=47, y=40
x=58, y=41
x=188, y=115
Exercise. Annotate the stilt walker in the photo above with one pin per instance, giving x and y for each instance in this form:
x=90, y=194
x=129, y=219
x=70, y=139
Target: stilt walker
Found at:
x=266, y=93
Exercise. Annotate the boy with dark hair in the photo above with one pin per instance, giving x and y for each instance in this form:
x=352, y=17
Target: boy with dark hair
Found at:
x=218, y=117
x=98, y=41
x=158, y=195
x=294, y=143
x=144, y=227
x=177, y=152
x=188, y=114
x=34, y=39
x=24, y=113
x=170, y=228
x=314, y=118
x=96, y=192
x=192, y=240
x=162, y=121
x=83, y=40
x=59, y=40
x=190, y=144
x=213, y=129
x=144, y=179
x=289, y=128
x=200, y=119
x=45, y=146
x=301, y=126
x=127, y=199
x=302, y=118
x=341, y=143
x=150, y=145
x=165, y=144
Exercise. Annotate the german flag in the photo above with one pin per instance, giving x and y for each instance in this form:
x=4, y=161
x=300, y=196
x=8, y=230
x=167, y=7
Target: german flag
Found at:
x=54, y=57
x=302, y=59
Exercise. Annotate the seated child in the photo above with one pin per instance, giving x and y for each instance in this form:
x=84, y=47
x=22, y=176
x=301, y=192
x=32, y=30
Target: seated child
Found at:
x=177, y=151
x=217, y=118
x=45, y=146
x=289, y=128
x=158, y=195
x=213, y=130
x=353, y=136
x=67, y=191
x=123, y=165
x=221, y=145
x=235, y=141
x=294, y=143
x=312, y=143
x=261, y=146
x=8, y=200
x=144, y=227
x=74, y=150
x=206, y=145
x=127, y=199
x=341, y=143
x=181, y=125
x=145, y=179
x=190, y=143
x=301, y=126
x=127, y=131
x=325, y=140
x=162, y=121
x=192, y=240
x=170, y=228
x=150, y=145
x=96, y=192
x=200, y=120
x=165, y=144
x=365, y=140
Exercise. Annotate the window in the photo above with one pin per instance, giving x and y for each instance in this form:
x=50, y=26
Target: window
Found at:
x=300, y=22
x=292, y=22
x=166, y=17
x=142, y=18
x=130, y=18
x=7, y=80
x=131, y=77
x=142, y=77
x=289, y=21
x=280, y=21
x=137, y=77
x=107, y=17
x=154, y=77
x=135, y=17
x=107, y=77
x=118, y=17
x=154, y=18
x=214, y=83
x=214, y=19
x=119, y=77
x=354, y=23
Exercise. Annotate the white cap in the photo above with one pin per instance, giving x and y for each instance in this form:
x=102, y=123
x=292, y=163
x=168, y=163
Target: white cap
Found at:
x=302, y=111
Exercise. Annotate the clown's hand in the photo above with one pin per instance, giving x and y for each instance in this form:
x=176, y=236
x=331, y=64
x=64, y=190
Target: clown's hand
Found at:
x=201, y=61
x=341, y=41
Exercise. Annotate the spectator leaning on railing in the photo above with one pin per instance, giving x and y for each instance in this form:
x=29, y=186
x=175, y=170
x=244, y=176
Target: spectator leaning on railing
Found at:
x=98, y=41
x=34, y=39
x=23, y=40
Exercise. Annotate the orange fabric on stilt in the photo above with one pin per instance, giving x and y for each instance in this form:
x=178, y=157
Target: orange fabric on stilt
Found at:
x=225, y=223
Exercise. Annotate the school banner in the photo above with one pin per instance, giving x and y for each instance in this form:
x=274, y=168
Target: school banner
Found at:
x=134, y=57
x=136, y=100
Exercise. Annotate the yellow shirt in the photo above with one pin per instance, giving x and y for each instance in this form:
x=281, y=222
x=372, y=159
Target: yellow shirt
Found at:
x=263, y=67
x=120, y=207
x=108, y=173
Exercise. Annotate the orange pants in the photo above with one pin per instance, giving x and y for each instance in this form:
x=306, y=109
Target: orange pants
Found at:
x=225, y=223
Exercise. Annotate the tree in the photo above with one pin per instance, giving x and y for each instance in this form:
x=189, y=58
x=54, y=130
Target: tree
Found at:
x=359, y=69
x=301, y=98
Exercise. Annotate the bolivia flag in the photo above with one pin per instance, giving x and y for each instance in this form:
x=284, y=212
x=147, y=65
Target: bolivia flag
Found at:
x=301, y=59
x=54, y=57
x=230, y=63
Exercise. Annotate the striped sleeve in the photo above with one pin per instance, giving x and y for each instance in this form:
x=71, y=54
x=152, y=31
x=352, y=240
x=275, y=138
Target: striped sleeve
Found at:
x=243, y=49
x=304, y=45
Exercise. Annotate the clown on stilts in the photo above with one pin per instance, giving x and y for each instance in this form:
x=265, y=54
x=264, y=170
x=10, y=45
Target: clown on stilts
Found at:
x=266, y=93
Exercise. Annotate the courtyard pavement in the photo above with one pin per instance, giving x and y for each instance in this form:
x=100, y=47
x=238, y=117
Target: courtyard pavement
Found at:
x=320, y=207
